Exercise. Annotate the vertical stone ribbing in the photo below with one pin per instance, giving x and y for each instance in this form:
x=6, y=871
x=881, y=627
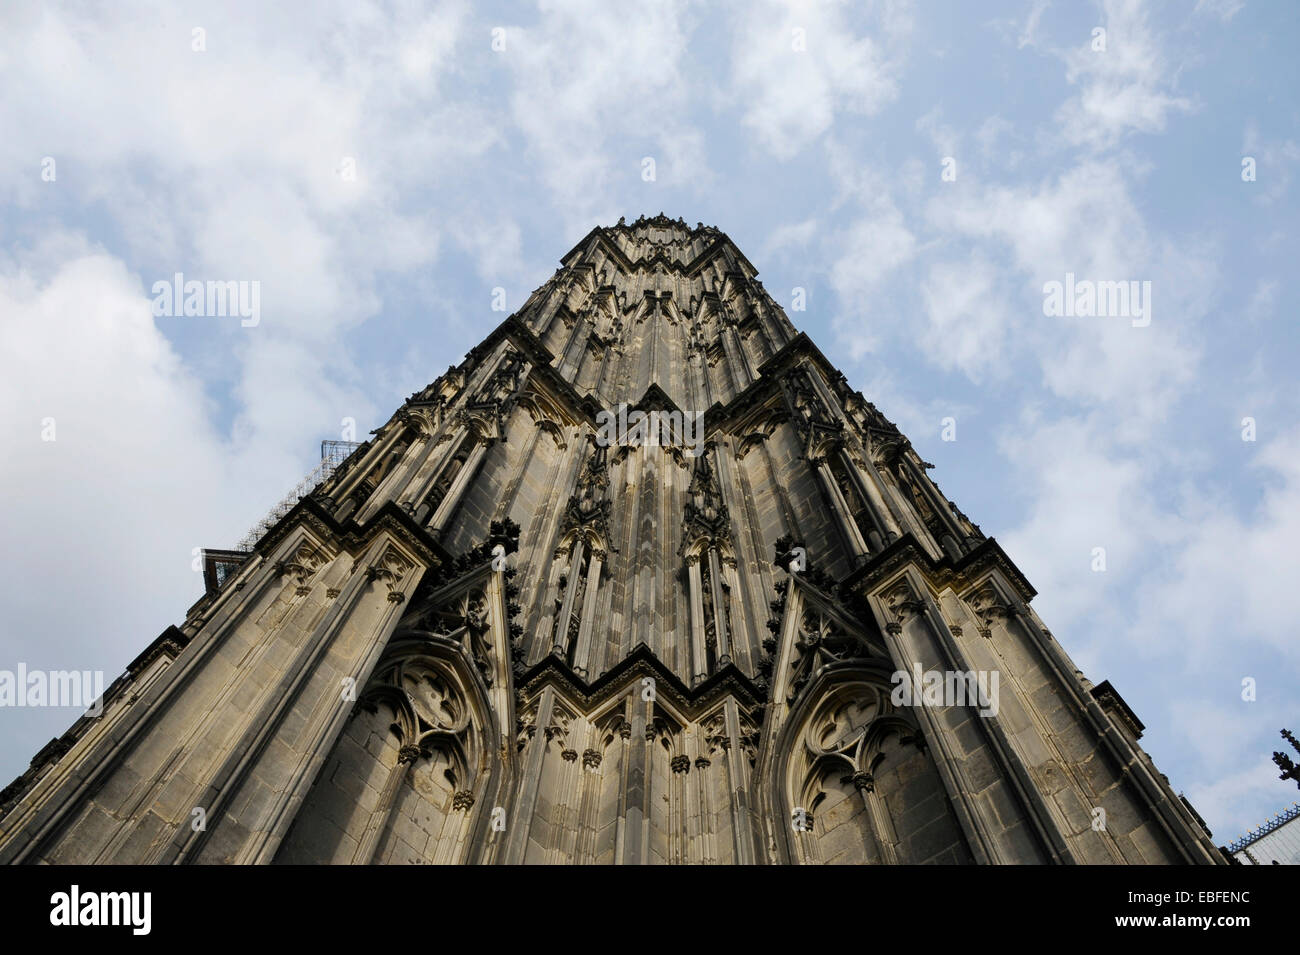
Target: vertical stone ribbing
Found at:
x=692, y=640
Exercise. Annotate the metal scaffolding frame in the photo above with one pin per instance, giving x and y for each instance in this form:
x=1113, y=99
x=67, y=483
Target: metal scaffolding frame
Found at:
x=332, y=454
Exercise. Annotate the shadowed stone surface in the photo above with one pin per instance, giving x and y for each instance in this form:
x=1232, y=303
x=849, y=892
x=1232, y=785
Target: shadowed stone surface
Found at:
x=505, y=630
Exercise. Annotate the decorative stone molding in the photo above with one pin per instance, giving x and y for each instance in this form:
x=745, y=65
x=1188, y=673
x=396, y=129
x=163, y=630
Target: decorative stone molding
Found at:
x=525, y=727
x=820, y=640
x=903, y=602
x=987, y=605
x=418, y=420
x=392, y=568
x=445, y=689
x=715, y=733
x=303, y=564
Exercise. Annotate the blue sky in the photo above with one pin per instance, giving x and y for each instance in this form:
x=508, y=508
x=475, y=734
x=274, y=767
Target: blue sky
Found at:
x=478, y=168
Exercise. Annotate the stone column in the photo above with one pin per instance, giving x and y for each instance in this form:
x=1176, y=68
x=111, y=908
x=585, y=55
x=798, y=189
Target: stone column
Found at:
x=530, y=778
x=561, y=644
x=417, y=491
x=884, y=521
x=852, y=535
x=882, y=837
x=871, y=482
x=737, y=631
x=739, y=791
x=699, y=664
x=365, y=852
x=376, y=453
x=450, y=502
x=583, y=652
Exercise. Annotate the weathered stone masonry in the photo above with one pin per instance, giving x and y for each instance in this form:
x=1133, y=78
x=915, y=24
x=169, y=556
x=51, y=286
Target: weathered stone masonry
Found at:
x=489, y=637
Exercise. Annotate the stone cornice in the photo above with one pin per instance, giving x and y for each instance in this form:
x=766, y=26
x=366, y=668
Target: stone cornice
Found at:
x=718, y=242
x=169, y=643
x=600, y=236
x=540, y=358
x=945, y=572
x=641, y=662
x=353, y=537
x=799, y=346
x=720, y=417
x=723, y=417
x=1113, y=703
x=655, y=398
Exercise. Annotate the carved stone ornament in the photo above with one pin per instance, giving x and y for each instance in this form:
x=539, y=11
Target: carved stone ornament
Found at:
x=303, y=564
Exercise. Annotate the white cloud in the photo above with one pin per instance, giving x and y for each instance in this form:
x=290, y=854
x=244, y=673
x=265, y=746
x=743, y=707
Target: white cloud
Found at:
x=1241, y=800
x=589, y=73
x=233, y=165
x=945, y=138
x=106, y=514
x=1225, y=10
x=870, y=250
x=792, y=234
x=1087, y=223
x=868, y=255
x=1030, y=27
x=1274, y=164
x=968, y=318
x=1080, y=493
x=1249, y=558
x=1123, y=88
x=989, y=137
x=223, y=164
x=1263, y=301
x=792, y=96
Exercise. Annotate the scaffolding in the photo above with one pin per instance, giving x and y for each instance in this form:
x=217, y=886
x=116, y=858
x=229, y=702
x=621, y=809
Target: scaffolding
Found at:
x=1266, y=843
x=332, y=454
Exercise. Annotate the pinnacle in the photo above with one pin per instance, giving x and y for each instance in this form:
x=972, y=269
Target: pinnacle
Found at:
x=661, y=221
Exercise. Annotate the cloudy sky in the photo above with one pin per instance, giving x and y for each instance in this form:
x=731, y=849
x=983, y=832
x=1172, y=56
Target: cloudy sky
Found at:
x=380, y=168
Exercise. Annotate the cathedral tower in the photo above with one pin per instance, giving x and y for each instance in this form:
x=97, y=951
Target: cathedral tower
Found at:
x=642, y=580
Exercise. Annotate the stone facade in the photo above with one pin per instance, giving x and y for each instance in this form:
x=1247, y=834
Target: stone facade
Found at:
x=496, y=634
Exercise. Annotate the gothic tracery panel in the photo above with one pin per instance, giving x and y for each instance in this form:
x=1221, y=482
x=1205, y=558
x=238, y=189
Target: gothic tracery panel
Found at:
x=862, y=786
